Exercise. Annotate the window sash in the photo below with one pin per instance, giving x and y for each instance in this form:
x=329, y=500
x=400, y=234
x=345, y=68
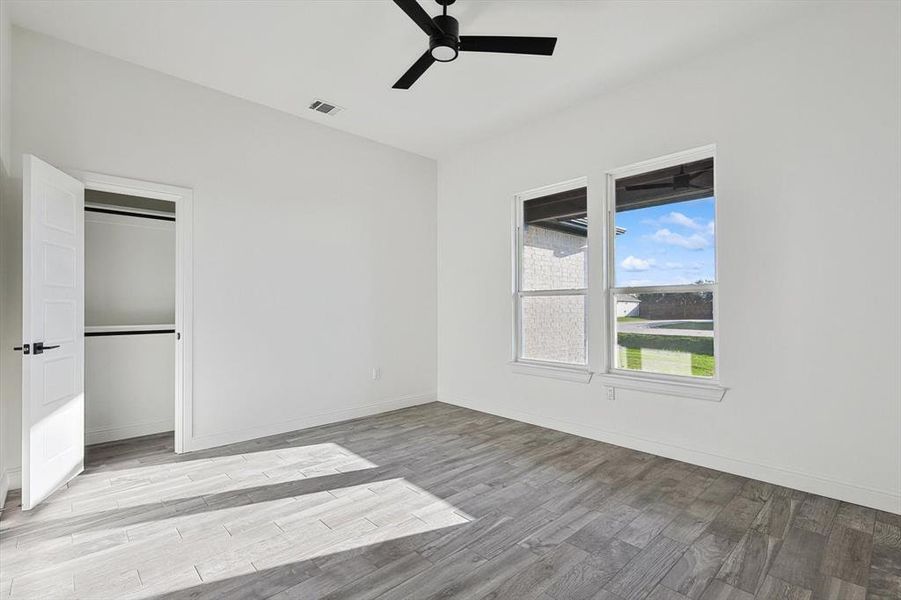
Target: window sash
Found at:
x=519, y=293
x=562, y=292
x=609, y=276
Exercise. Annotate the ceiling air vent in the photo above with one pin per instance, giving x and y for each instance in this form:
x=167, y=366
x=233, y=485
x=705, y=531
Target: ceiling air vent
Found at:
x=325, y=107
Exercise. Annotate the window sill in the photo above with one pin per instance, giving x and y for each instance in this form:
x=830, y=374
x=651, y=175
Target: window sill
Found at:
x=710, y=392
x=575, y=374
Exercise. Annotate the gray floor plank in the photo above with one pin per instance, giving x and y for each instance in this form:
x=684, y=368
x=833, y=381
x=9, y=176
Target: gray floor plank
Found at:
x=847, y=554
x=799, y=558
x=534, y=580
x=586, y=578
x=645, y=571
x=750, y=560
x=698, y=565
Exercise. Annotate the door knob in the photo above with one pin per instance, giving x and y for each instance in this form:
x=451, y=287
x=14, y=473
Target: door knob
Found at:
x=39, y=347
x=25, y=348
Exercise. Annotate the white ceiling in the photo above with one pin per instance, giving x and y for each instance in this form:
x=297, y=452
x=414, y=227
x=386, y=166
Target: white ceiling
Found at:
x=283, y=54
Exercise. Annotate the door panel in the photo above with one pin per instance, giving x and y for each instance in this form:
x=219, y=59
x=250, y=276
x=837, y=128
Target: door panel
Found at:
x=52, y=315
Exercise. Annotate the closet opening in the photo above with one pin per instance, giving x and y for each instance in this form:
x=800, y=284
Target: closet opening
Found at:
x=138, y=317
x=130, y=335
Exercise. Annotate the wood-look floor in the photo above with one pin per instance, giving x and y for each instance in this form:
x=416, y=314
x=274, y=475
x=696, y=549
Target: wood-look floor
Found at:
x=436, y=502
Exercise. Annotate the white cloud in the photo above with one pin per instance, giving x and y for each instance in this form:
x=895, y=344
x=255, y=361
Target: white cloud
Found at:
x=677, y=218
x=633, y=263
x=683, y=220
x=692, y=242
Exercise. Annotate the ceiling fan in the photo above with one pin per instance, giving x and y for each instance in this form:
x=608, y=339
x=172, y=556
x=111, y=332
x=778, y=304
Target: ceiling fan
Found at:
x=680, y=181
x=445, y=41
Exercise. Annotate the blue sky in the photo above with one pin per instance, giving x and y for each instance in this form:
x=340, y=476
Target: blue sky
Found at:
x=666, y=245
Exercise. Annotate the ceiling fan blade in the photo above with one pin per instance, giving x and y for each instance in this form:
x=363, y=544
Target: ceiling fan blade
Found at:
x=508, y=44
x=419, y=16
x=415, y=72
x=648, y=186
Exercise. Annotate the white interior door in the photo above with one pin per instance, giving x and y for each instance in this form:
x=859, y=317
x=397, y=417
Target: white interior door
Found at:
x=52, y=328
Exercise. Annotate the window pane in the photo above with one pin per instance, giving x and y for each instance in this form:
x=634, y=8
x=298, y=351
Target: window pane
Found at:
x=555, y=241
x=666, y=333
x=665, y=227
x=553, y=328
x=553, y=259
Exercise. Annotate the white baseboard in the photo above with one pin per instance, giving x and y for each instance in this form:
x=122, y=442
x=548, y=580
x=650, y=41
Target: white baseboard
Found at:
x=231, y=437
x=110, y=434
x=10, y=480
x=4, y=487
x=816, y=484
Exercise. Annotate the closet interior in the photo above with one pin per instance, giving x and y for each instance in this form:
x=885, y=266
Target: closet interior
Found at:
x=129, y=316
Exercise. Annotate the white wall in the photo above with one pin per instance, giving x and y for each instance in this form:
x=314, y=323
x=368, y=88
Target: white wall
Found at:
x=129, y=386
x=314, y=250
x=129, y=272
x=806, y=122
x=10, y=363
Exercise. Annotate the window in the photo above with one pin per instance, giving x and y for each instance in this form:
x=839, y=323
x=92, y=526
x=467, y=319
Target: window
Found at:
x=661, y=272
x=551, y=275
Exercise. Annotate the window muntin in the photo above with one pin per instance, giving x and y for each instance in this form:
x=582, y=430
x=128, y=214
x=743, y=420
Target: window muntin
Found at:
x=662, y=271
x=552, y=275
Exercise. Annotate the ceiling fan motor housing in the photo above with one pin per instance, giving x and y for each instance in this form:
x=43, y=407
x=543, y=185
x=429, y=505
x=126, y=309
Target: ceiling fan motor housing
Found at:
x=444, y=47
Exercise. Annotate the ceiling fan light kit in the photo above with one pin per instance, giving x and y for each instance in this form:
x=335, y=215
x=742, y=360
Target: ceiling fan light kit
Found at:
x=443, y=47
x=446, y=43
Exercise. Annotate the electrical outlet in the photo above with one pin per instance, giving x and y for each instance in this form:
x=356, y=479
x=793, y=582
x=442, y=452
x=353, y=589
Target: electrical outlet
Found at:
x=376, y=373
x=611, y=393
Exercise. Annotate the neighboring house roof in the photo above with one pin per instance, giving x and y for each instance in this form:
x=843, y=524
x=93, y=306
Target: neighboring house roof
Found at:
x=628, y=298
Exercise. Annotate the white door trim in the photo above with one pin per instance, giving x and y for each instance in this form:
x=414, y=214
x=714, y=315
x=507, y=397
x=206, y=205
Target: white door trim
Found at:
x=184, y=286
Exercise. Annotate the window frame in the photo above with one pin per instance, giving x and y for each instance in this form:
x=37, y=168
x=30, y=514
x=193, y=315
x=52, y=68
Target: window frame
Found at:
x=689, y=385
x=547, y=368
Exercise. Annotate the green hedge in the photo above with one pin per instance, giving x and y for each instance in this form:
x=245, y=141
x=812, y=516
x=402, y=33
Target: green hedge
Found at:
x=678, y=343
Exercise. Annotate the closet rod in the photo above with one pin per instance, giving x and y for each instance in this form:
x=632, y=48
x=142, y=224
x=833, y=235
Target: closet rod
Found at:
x=144, y=332
x=110, y=211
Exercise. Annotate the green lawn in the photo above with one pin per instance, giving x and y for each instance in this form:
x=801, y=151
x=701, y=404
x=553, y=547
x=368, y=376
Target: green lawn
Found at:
x=702, y=365
x=630, y=320
x=676, y=343
x=667, y=354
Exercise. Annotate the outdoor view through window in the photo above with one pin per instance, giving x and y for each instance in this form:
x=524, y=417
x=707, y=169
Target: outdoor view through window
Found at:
x=664, y=277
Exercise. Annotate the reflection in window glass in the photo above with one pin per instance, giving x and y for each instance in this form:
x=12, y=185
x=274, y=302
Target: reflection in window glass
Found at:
x=670, y=333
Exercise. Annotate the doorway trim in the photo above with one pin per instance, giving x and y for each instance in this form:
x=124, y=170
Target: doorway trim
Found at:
x=184, y=286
